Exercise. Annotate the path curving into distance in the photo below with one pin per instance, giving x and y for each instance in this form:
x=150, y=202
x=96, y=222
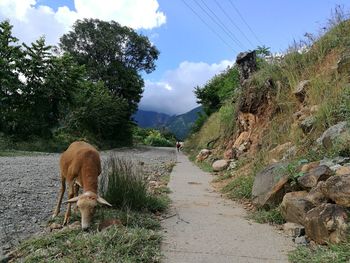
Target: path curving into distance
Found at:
x=203, y=227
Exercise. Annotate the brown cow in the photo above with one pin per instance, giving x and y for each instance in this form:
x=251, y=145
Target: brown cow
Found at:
x=80, y=165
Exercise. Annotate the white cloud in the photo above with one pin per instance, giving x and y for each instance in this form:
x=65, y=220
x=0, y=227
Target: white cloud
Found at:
x=173, y=94
x=32, y=21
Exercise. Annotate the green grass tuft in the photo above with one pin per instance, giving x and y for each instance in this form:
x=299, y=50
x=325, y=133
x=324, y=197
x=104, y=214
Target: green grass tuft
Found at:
x=339, y=253
x=239, y=187
x=124, y=185
x=272, y=216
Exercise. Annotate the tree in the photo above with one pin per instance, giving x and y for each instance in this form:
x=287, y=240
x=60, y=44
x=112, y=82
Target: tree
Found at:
x=113, y=54
x=99, y=115
x=10, y=85
x=263, y=51
x=217, y=90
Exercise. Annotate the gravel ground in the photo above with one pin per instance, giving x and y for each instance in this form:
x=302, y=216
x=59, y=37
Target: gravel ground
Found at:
x=29, y=187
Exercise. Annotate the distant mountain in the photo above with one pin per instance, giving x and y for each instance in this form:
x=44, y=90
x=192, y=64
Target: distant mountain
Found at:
x=180, y=125
x=151, y=119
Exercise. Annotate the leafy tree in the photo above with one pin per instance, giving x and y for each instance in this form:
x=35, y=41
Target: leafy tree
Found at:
x=10, y=86
x=99, y=115
x=217, y=90
x=113, y=54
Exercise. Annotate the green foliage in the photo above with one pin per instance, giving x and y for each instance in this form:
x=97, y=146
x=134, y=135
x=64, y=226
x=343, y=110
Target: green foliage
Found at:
x=217, y=90
x=239, y=188
x=272, y=216
x=153, y=137
x=202, y=118
x=337, y=253
x=112, y=54
x=124, y=185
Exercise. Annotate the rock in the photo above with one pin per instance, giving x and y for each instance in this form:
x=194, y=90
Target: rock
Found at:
x=220, y=165
x=246, y=63
x=294, y=207
x=315, y=175
x=289, y=153
x=54, y=226
x=293, y=229
x=332, y=162
x=326, y=223
x=329, y=137
x=343, y=170
x=202, y=155
x=280, y=149
x=307, y=124
x=316, y=196
x=108, y=223
x=268, y=185
x=307, y=167
x=300, y=90
x=228, y=154
x=300, y=240
x=232, y=165
x=337, y=188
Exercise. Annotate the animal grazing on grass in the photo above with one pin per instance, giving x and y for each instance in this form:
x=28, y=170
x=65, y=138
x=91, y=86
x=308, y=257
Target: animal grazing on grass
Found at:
x=80, y=166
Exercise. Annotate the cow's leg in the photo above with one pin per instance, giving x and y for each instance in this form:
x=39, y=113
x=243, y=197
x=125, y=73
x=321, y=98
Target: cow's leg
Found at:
x=58, y=206
x=76, y=193
x=70, y=195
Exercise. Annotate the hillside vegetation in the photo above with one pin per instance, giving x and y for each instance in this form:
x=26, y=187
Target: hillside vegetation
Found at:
x=276, y=115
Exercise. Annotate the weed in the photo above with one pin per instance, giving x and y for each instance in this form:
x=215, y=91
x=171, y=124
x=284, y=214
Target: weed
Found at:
x=272, y=216
x=321, y=254
x=239, y=187
x=124, y=185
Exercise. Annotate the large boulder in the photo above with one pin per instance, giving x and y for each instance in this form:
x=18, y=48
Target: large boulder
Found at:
x=295, y=206
x=220, y=165
x=246, y=63
x=268, y=187
x=337, y=188
x=316, y=196
x=332, y=134
x=326, y=223
x=315, y=175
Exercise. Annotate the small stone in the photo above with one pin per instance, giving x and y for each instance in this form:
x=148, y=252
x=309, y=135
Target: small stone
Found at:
x=300, y=240
x=293, y=229
x=55, y=226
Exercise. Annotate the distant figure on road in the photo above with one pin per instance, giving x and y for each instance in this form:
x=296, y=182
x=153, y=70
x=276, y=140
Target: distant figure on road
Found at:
x=178, y=145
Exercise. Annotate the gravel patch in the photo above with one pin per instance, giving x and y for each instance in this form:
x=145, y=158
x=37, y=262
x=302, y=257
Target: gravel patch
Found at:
x=30, y=185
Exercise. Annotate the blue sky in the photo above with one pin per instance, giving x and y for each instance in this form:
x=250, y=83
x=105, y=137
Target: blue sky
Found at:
x=190, y=52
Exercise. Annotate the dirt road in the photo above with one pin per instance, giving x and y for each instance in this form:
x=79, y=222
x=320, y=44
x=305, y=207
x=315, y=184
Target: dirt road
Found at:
x=204, y=227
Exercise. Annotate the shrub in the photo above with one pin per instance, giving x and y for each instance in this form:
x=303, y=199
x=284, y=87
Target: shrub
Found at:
x=123, y=185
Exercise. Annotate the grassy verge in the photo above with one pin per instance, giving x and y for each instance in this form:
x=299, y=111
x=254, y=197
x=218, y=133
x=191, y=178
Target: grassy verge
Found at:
x=136, y=240
x=321, y=254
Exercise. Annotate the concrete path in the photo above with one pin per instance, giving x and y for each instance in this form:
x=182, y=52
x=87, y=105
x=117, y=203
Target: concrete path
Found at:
x=204, y=227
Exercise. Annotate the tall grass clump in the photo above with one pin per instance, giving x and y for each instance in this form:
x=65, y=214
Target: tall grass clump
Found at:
x=124, y=185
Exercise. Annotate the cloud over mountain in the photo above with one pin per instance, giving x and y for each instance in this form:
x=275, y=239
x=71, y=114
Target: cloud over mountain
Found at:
x=174, y=93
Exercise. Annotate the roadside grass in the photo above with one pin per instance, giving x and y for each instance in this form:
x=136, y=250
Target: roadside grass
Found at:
x=14, y=153
x=137, y=240
x=272, y=216
x=239, y=188
x=339, y=253
x=123, y=184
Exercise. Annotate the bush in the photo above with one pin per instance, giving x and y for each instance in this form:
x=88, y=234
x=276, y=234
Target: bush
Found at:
x=123, y=185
